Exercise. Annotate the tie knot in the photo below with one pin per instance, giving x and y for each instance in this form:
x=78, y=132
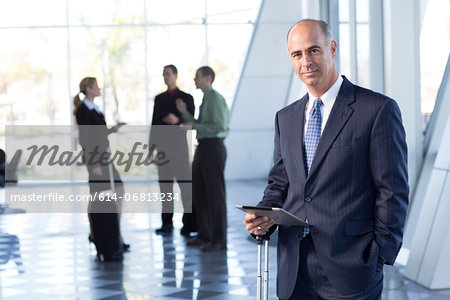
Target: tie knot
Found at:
x=317, y=103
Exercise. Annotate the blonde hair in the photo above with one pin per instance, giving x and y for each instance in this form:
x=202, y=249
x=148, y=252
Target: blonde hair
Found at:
x=84, y=83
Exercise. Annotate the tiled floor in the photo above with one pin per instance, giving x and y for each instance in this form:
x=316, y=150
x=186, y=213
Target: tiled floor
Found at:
x=47, y=256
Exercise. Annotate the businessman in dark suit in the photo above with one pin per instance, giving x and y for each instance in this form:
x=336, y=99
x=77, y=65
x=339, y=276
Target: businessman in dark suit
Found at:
x=339, y=163
x=172, y=141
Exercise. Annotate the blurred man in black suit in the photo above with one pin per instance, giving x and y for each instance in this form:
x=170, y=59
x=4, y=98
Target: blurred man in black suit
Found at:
x=172, y=141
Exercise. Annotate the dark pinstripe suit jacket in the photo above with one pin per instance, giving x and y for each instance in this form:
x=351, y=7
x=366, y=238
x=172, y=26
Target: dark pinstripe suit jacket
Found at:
x=355, y=195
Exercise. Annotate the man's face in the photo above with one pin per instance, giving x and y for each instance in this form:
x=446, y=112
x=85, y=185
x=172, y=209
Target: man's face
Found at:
x=312, y=57
x=170, y=78
x=199, y=80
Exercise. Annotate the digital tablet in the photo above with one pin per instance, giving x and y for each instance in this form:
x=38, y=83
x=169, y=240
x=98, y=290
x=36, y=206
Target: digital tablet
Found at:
x=280, y=216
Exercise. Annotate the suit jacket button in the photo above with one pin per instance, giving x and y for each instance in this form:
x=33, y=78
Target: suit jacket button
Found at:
x=307, y=199
x=298, y=234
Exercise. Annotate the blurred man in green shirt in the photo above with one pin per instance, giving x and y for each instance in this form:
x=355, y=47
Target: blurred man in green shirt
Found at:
x=208, y=183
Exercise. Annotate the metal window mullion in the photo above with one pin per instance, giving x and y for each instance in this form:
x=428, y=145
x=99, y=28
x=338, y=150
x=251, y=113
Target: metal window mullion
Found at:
x=69, y=97
x=205, y=23
x=353, y=42
x=146, y=76
x=334, y=22
x=247, y=56
x=325, y=13
x=68, y=63
x=376, y=46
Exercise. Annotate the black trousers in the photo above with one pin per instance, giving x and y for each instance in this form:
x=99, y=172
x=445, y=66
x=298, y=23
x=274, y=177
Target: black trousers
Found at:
x=313, y=283
x=189, y=216
x=178, y=169
x=208, y=187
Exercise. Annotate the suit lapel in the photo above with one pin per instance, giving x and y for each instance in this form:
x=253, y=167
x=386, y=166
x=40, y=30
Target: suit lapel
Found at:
x=339, y=116
x=177, y=94
x=297, y=122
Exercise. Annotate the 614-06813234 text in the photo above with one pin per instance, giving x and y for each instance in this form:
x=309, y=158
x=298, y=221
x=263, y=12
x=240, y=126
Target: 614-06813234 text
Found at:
x=98, y=196
x=143, y=197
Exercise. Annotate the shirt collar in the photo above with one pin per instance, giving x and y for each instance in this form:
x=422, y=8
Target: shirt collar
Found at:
x=91, y=105
x=209, y=90
x=171, y=93
x=329, y=96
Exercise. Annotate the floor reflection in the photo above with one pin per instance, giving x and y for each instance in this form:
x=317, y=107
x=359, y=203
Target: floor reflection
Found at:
x=10, y=251
x=53, y=260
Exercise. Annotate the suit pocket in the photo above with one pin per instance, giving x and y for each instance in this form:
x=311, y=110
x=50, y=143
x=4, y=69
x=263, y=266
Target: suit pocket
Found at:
x=380, y=265
x=358, y=227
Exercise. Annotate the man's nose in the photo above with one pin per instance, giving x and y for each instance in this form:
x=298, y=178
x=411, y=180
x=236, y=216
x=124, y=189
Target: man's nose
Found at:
x=306, y=62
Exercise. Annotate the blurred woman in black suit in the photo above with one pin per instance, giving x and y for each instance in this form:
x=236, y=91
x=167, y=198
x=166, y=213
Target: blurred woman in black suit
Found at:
x=94, y=139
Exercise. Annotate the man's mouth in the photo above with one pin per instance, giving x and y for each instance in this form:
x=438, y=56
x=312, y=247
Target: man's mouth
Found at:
x=309, y=72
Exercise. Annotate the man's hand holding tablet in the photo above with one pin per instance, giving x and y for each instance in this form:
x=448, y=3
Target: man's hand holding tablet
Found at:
x=258, y=220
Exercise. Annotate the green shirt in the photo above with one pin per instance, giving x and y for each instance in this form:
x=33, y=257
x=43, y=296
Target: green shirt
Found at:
x=213, y=121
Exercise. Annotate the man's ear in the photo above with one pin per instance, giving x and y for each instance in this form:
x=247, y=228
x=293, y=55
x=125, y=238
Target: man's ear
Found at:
x=333, y=48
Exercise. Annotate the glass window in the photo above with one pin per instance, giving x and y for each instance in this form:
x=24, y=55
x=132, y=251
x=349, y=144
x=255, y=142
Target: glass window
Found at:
x=344, y=50
x=115, y=55
x=227, y=47
x=362, y=11
x=361, y=57
x=344, y=9
x=105, y=12
x=434, y=51
x=33, y=72
x=362, y=32
x=175, y=11
x=182, y=46
x=232, y=11
x=42, y=67
x=32, y=13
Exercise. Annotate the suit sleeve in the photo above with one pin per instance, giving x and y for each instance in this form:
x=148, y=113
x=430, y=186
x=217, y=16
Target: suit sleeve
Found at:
x=388, y=167
x=189, y=100
x=156, y=119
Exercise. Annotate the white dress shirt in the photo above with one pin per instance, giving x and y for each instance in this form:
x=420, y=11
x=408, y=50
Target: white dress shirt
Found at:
x=91, y=105
x=328, y=100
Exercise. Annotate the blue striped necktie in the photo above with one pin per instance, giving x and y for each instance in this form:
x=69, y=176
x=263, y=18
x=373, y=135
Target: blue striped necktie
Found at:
x=313, y=132
x=311, y=141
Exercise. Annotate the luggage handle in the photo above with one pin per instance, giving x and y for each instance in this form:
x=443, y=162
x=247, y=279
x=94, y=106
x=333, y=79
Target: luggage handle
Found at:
x=259, y=241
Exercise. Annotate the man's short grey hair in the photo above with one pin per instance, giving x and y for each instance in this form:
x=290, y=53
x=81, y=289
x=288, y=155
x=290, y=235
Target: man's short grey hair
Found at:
x=323, y=25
